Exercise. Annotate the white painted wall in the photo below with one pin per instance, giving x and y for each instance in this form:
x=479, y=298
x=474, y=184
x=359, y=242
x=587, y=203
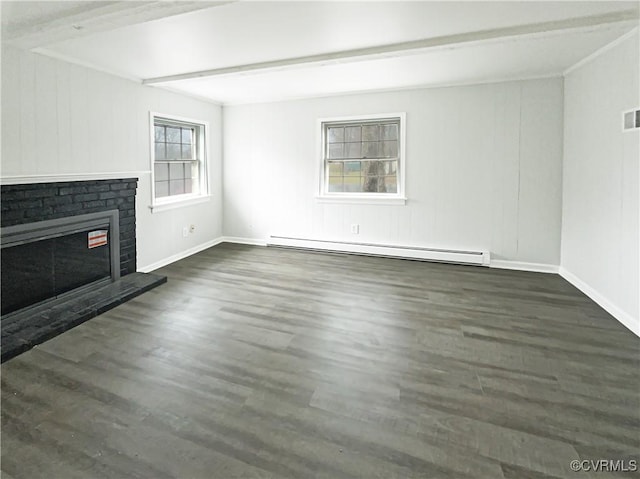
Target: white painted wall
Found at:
x=59, y=118
x=600, y=239
x=483, y=170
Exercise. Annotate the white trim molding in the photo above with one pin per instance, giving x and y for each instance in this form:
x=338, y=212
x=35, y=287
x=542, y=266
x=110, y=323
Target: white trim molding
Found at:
x=418, y=86
x=524, y=266
x=178, y=256
x=60, y=177
x=85, y=64
x=197, y=249
x=181, y=202
x=589, y=58
x=359, y=200
x=239, y=240
x=624, y=318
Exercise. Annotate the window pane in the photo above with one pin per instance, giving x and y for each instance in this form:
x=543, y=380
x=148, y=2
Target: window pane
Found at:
x=391, y=184
x=370, y=133
x=368, y=168
x=173, y=151
x=353, y=184
x=336, y=150
x=162, y=189
x=370, y=184
x=370, y=149
x=173, y=134
x=390, y=149
x=335, y=134
x=161, y=171
x=159, y=133
x=353, y=150
x=335, y=169
x=381, y=184
x=370, y=154
x=176, y=187
x=390, y=167
x=353, y=133
x=176, y=171
x=335, y=184
x=160, y=151
x=187, y=134
x=352, y=168
x=377, y=168
x=389, y=132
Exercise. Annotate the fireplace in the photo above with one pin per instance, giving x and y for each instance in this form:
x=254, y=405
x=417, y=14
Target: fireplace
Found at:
x=68, y=254
x=28, y=203
x=45, y=260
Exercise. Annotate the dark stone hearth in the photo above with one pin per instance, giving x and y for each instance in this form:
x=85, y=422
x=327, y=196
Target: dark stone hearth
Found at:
x=24, y=330
x=46, y=201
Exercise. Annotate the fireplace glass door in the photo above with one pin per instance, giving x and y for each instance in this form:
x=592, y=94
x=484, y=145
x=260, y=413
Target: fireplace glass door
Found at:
x=46, y=268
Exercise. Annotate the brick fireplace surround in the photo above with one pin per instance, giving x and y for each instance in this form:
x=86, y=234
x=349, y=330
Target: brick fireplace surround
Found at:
x=28, y=203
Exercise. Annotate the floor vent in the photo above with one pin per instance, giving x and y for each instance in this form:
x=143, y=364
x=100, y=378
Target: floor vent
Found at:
x=481, y=258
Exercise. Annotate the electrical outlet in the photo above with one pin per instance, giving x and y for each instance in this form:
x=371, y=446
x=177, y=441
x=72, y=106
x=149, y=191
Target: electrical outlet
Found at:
x=192, y=228
x=185, y=232
x=355, y=228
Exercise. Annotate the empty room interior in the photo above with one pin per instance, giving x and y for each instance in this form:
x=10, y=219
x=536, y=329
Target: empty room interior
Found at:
x=320, y=239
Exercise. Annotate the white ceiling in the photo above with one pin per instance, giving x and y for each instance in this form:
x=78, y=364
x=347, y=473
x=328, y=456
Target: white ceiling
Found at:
x=235, y=52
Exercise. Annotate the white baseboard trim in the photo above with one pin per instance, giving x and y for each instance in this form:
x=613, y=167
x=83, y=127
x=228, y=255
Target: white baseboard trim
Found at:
x=523, y=266
x=478, y=258
x=628, y=321
x=178, y=256
x=239, y=240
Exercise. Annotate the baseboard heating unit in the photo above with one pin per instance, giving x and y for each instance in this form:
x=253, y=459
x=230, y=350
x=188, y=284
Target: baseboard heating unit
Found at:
x=481, y=258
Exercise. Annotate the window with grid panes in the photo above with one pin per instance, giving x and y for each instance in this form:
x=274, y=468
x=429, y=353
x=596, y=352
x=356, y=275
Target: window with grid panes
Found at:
x=362, y=157
x=178, y=160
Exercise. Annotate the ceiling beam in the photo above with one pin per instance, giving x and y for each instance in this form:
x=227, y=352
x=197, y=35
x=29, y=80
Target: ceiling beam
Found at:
x=31, y=29
x=416, y=46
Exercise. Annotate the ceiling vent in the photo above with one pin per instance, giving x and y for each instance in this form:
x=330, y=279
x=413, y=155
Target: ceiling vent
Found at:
x=631, y=120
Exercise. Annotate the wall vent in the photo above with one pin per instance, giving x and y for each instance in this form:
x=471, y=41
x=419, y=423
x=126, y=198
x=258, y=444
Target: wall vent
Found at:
x=631, y=120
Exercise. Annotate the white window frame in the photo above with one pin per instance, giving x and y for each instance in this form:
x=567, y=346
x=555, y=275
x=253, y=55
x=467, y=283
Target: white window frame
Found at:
x=202, y=146
x=398, y=198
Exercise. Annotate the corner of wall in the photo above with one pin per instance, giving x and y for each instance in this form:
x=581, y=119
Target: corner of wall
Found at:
x=628, y=321
x=599, y=224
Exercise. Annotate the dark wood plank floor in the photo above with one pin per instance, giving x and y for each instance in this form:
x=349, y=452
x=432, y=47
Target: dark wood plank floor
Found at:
x=269, y=363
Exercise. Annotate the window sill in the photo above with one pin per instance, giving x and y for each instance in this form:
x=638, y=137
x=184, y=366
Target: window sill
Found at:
x=362, y=200
x=179, y=203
